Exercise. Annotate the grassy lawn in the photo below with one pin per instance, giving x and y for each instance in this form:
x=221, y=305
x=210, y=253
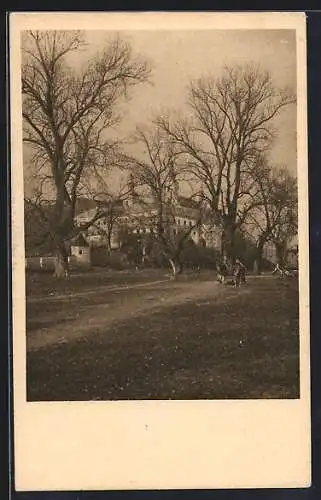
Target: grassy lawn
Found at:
x=49, y=313
x=85, y=290
x=238, y=344
x=40, y=284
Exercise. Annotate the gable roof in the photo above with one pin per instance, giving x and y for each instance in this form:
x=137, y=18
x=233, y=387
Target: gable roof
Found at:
x=79, y=241
x=186, y=202
x=84, y=204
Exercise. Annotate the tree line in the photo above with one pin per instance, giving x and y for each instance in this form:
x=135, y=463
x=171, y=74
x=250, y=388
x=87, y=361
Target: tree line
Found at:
x=221, y=147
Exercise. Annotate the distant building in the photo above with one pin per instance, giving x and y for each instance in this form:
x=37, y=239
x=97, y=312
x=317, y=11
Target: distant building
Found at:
x=138, y=216
x=80, y=251
x=269, y=252
x=293, y=253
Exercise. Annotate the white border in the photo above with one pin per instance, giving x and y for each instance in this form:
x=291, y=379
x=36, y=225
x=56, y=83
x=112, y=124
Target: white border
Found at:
x=205, y=444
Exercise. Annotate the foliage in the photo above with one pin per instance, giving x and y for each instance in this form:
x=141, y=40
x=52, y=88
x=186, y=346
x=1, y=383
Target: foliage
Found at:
x=159, y=173
x=221, y=147
x=231, y=124
x=65, y=116
x=274, y=215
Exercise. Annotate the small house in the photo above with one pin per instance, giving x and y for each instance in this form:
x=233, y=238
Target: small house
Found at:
x=80, y=251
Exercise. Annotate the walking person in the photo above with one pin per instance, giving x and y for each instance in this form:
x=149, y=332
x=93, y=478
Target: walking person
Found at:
x=222, y=271
x=278, y=270
x=239, y=273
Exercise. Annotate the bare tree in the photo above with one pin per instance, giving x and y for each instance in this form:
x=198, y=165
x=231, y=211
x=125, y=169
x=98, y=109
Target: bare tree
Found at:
x=231, y=123
x=66, y=113
x=111, y=206
x=273, y=217
x=158, y=171
x=285, y=200
x=36, y=224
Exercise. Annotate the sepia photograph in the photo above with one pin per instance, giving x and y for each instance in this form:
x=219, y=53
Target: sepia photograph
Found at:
x=162, y=217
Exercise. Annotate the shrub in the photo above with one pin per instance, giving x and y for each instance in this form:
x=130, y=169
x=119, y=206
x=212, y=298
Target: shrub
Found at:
x=118, y=261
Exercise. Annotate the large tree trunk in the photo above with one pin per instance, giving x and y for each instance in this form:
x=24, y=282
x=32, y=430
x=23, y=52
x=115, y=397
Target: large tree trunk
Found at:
x=281, y=251
x=228, y=243
x=259, y=257
x=108, y=241
x=179, y=265
x=175, y=266
x=61, y=262
x=108, y=247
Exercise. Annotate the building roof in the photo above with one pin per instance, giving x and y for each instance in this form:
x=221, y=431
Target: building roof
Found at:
x=84, y=204
x=294, y=242
x=186, y=202
x=185, y=208
x=105, y=206
x=79, y=241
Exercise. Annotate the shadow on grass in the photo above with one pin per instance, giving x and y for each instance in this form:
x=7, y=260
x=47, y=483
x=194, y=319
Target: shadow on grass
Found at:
x=44, y=284
x=246, y=347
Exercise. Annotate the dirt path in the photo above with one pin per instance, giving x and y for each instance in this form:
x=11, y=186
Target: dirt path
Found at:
x=101, y=317
x=97, y=289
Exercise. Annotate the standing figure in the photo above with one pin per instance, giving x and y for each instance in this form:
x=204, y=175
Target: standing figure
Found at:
x=239, y=274
x=278, y=270
x=222, y=271
x=282, y=272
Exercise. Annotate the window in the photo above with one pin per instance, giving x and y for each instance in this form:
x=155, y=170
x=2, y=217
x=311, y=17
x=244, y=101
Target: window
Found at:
x=80, y=251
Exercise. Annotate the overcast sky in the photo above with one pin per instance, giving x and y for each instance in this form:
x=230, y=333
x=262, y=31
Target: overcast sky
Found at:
x=179, y=56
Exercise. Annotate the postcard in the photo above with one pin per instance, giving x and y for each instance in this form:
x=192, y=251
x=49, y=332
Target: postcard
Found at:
x=160, y=250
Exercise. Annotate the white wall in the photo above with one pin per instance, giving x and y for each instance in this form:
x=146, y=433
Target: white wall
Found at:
x=81, y=254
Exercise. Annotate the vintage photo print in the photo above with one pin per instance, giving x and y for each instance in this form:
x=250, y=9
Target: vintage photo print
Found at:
x=160, y=250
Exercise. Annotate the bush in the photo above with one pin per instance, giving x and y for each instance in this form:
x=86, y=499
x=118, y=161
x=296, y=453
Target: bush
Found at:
x=118, y=261
x=194, y=255
x=245, y=250
x=40, y=264
x=99, y=257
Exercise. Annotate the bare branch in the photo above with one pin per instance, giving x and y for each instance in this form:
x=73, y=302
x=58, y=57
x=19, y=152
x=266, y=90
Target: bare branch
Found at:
x=66, y=113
